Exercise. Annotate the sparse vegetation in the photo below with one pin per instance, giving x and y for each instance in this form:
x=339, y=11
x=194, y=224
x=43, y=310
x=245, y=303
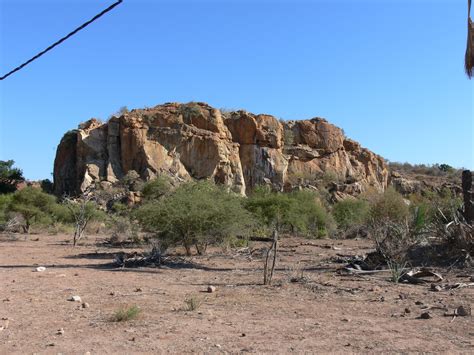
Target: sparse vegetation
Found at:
x=396, y=270
x=189, y=110
x=126, y=314
x=192, y=303
x=288, y=136
x=443, y=170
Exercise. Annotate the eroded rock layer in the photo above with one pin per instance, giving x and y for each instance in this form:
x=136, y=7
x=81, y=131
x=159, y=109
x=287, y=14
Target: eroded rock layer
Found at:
x=237, y=149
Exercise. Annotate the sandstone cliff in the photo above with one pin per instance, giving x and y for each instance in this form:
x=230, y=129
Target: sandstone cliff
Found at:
x=237, y=149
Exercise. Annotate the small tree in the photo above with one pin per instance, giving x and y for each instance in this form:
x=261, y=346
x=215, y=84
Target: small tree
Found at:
x=9, y=176
x=273, y=210
x=195, y=214
x=83, y=211
x=33, y=205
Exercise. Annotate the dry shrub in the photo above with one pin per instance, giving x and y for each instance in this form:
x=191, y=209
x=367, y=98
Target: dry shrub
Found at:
x=456, y=237
x=123, y=230
x=393, y=241
x=125, y=314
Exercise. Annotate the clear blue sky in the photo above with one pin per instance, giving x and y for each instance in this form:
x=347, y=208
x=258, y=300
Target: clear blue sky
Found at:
x=390, y=73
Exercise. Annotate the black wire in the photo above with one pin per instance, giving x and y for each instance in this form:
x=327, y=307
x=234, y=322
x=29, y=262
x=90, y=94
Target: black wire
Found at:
x=61, y=40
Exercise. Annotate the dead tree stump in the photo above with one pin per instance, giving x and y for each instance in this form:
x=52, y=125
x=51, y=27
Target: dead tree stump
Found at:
x=468, y=196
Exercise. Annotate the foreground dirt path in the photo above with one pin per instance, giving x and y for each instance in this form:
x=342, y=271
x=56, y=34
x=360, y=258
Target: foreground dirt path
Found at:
x=325, y=313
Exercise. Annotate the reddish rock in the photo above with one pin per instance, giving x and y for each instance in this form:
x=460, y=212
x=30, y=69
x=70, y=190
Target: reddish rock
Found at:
x=194, y=140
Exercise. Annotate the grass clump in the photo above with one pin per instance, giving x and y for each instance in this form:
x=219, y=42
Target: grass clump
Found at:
x=192, y=303
x=397, y=270
x=125, y=314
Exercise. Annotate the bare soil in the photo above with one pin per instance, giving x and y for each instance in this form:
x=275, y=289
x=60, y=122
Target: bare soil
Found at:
x=322, y=312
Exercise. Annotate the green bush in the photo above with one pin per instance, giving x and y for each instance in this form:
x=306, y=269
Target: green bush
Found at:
x=350, y=213
x=298, y=213
x=309, y=217
x=389, y=205
x=9, y=176
x=435, y=205
x=4, y=204
x=157, y=188
x=33, y=205
x=196, y=213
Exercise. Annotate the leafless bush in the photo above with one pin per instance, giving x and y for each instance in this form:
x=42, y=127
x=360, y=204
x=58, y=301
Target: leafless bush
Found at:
x=123, y=230
x=393, y=240
x=457, y=237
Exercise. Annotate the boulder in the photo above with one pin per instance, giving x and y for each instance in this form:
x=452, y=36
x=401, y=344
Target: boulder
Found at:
x=196, y=141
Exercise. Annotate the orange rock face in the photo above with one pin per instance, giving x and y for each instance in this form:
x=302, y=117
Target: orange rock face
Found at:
x=237, y=149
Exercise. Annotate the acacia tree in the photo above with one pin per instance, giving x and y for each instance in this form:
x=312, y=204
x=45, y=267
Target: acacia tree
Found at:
x=9, y=176
x=33, y=205
x=195, y=214
x=83, y=210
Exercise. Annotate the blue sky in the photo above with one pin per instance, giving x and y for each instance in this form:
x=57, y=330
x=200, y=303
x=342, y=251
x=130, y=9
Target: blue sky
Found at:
x=390, y=73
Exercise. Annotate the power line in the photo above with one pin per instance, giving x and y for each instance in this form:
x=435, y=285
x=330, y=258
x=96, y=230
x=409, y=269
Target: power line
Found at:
x=61, y=40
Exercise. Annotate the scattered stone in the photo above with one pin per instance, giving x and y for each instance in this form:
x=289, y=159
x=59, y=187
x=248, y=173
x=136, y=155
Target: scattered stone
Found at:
x=425, y=315
x=419, y=303
x=138, y=289
x=40, y=269
x=463, y=311
x=407, y=310
x=74, y=299
x=85, y=305
x=60, y=331
x=243, y=335
x=403, y=296
x=5, y=324
x=436, y=288
x=211, y=289
x=345, y=320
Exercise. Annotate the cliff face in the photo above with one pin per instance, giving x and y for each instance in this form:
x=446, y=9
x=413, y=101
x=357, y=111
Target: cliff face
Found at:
x=237, y=149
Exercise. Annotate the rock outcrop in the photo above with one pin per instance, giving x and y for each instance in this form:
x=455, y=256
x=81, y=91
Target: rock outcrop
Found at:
x=236, y=149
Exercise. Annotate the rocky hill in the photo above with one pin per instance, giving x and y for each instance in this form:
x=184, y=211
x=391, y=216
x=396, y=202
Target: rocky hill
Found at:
x=238, y=149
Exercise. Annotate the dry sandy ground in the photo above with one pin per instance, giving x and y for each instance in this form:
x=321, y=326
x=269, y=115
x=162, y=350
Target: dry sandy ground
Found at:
x=327, y=313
